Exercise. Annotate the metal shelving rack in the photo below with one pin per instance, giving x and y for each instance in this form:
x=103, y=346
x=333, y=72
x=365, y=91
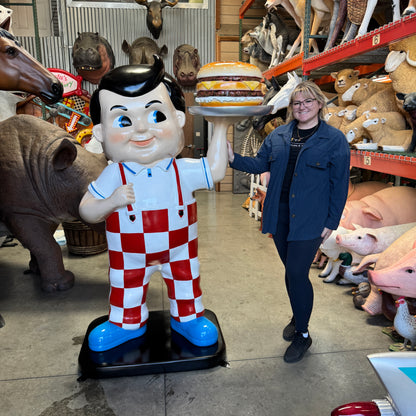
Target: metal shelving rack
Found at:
x=403, y=165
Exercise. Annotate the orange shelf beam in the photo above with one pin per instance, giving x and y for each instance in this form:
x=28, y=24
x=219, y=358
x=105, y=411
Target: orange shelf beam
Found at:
x=245, y=6
x=377, y=38
x=290, y=65
x=390, y=163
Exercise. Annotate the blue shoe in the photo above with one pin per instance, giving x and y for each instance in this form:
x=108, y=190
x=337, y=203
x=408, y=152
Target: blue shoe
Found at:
x=200, y=331
x=107, y=335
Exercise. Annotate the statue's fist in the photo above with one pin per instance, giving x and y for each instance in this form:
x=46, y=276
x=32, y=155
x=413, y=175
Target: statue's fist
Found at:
x=124, y=195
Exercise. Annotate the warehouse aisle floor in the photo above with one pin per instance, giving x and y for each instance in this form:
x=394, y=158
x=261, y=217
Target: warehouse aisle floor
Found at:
x=242, y=280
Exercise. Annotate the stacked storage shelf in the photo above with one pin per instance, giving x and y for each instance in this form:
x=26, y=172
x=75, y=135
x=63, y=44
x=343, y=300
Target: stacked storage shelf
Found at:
x=397, y=164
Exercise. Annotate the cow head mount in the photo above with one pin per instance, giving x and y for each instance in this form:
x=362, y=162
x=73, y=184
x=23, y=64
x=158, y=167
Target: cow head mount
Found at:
x=154, y=20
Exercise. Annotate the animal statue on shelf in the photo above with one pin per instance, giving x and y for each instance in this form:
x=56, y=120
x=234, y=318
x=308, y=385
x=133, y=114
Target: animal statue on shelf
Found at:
x=373, y=96
x=405, y=323
x=321, y=10
x=19, y=71
x=45, y=174
x=339, y=15
x=6, y=18
x=92, y=56
x=279, y=98
x=343, y=80
x=390, y=206
x=154, y=19
x=341, y=117
x=142, y=49
x=387, y=138
x=253, y=52
x=186, y=64
x=355, y=131
x=359, y=15
x=282, y=36
x=409, y=105
x=410, y=8
x=401, y=65
x=274, y=37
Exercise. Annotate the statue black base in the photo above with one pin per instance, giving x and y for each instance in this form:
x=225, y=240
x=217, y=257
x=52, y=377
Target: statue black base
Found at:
x=159, y=350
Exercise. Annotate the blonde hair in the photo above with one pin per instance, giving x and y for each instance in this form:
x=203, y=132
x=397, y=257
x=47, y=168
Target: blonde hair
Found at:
x=309, y=90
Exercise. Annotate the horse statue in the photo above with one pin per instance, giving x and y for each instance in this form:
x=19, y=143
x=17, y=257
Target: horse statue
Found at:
x=19, y=71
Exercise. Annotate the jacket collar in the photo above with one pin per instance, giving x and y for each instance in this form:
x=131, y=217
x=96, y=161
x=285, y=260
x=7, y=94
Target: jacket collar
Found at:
x=286, y=131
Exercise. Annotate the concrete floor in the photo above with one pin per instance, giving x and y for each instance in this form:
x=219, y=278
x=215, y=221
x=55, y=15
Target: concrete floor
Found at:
x=242, y=279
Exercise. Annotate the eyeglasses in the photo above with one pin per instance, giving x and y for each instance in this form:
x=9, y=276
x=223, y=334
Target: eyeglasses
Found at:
x=307, y=103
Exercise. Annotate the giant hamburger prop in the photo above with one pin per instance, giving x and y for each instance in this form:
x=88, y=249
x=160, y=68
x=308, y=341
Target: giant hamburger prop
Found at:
x=221, y=84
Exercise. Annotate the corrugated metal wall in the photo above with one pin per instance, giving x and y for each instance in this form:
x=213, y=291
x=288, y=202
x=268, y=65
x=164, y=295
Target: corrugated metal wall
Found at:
x=180, y=25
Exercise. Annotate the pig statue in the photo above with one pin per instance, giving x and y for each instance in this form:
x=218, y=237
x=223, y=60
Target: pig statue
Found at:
x=357, y=191
x=396, y=254
x=186, y=64
x=332, y=250
x=45, y=173
x=365, y=241
x=92, y=56
x=389, y=206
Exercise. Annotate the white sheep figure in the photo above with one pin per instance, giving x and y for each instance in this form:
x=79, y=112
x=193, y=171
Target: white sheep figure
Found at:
x=373, y=96
x=388, y=139
x=344, y=79
x=355, y=130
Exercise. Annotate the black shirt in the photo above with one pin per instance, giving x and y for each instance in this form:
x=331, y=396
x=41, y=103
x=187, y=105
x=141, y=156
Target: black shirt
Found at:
x=299, y=138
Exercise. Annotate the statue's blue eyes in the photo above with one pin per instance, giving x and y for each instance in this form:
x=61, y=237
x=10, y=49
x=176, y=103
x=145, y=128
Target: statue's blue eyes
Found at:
x=156, y=117
x=122, y=121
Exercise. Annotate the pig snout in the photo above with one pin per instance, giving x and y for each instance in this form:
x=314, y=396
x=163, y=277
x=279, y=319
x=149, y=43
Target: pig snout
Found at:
x=338, y=239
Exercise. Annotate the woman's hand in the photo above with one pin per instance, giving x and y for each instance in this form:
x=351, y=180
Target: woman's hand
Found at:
x=230, y=152
x=325, y=234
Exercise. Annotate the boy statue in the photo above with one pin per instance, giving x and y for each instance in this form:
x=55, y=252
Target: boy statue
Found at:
x=146, y=198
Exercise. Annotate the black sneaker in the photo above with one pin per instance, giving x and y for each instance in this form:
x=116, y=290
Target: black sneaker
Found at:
x=297, y=348
x=289, y=331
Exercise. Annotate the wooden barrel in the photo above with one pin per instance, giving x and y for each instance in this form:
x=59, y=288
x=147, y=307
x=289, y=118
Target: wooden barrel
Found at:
x=82, y=240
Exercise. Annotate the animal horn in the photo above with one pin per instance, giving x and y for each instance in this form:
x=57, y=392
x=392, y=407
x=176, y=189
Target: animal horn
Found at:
x=410, y=61
x=142, y=2
x=169, y=3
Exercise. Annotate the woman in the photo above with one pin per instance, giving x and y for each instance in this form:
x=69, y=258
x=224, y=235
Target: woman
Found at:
x=308, y=162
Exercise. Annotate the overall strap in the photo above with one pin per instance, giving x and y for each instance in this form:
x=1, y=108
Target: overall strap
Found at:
x=178, y=186
x=124, y=182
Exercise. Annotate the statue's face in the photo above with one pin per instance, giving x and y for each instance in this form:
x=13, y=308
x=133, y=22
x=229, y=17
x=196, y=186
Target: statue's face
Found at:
x=144, y=129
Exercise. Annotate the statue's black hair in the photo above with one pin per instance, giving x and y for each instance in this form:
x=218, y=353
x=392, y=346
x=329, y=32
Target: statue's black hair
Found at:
x=134, y=81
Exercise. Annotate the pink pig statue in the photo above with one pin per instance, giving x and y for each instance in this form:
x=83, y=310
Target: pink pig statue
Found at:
x=399, y=278
x=389, y=206
x=365, y=241
x=357, y=191
x=387, y=260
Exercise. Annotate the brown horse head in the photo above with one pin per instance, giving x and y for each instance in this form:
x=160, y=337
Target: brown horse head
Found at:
x=19, y=71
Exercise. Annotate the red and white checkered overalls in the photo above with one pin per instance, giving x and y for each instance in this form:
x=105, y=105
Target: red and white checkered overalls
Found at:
x=142, y=242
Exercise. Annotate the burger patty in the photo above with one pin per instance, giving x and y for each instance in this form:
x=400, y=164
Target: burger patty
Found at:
x=229, y=78
x=229, y=93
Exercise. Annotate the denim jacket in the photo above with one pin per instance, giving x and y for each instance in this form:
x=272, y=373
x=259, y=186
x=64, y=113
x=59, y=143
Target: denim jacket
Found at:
x=319, y=185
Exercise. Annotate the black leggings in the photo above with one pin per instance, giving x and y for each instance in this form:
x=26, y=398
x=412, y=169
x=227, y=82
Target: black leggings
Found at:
x=297, y=257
